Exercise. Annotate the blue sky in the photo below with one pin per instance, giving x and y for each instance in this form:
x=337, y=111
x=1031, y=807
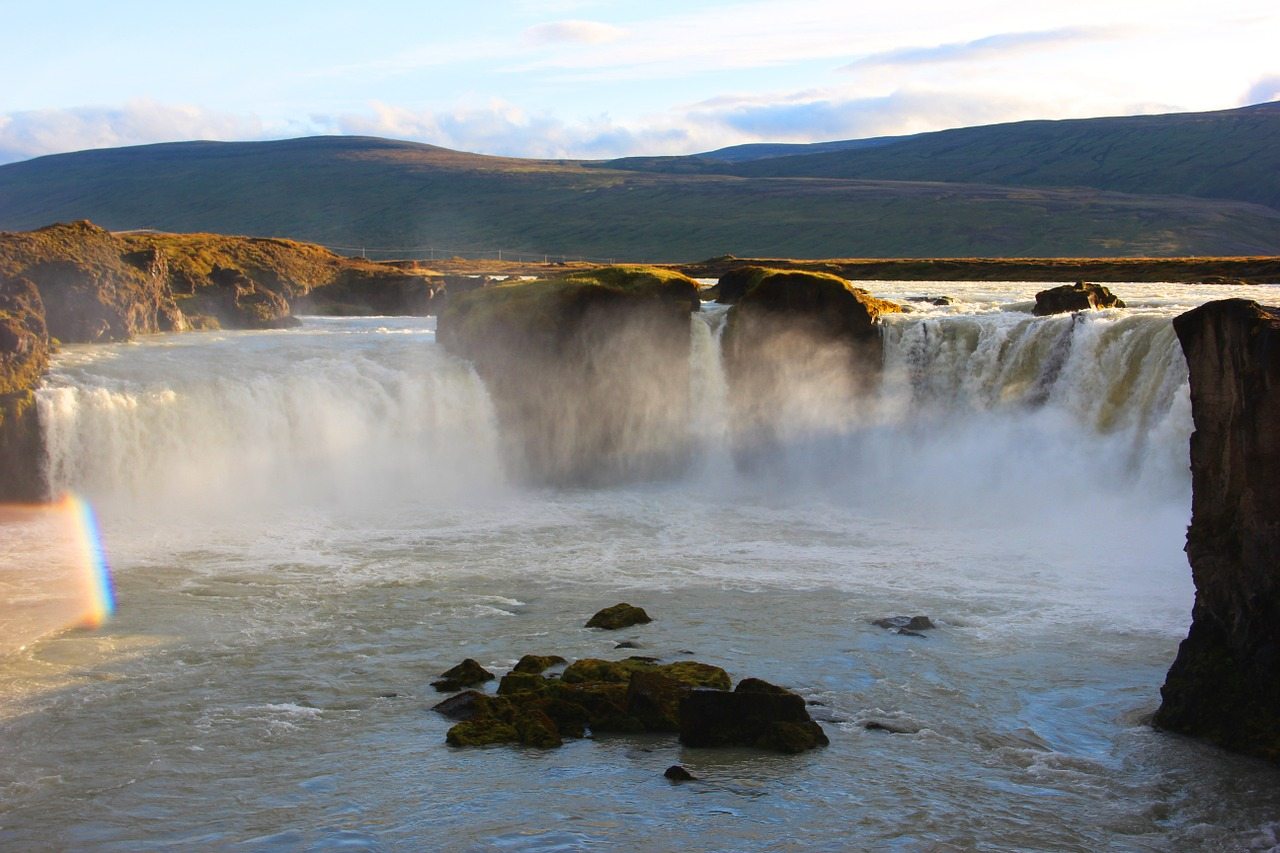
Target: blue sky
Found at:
x=583, y=78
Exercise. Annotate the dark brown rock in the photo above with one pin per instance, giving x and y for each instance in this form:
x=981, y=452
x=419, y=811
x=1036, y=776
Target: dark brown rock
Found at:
x=909, y=626
x=621, y=615
x=1224, y=685
x=676, y=773
x=463, y=706
x=537, y=664
x=466, y=674
x=589, y=372
x=1081, y=296
x=762, y=716
x=798, y=336
x=24, y=354
x=735, y=283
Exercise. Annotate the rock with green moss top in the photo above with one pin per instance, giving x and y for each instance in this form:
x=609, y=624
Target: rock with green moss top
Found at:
x=735, y=283
x=589, y=371
x=482, y=731
x=521, y=682
x=537, y=664
x=798, y=347
x=620, y=615
x=466, y=674
x=757, y=714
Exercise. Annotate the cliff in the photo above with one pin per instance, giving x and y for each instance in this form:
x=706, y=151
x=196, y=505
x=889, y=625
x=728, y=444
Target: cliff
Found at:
x=1224, y=685
x=589, y=372
x=24, y=353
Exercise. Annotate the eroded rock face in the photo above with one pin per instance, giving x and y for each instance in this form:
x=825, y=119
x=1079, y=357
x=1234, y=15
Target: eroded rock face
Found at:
x=589, y=372
x=799, y=349
x=1224, y=685
x=1081, y=296
x=24, y=354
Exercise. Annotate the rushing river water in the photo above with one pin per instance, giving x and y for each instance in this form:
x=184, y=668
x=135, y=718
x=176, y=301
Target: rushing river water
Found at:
x=306, y=526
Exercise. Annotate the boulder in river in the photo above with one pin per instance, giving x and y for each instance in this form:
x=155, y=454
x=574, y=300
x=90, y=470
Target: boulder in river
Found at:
x=1224, y=685
x=466, y=674
x=1081, y=296
x=621, y=615
x=756, y=714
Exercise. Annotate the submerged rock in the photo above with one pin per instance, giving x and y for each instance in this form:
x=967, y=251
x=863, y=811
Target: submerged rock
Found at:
x=463, y=706
x=757, y=714
x=1081, y=296
x=907, y=626
x=620, y=615
x=466, y=674
x=676, y=773
x=1224, y=685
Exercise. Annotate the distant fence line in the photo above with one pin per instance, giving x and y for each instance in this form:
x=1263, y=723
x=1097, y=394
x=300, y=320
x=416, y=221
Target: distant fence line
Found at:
x=436, y=253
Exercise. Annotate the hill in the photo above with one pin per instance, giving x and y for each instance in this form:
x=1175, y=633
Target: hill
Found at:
x=403, y=199
x=1228, y=154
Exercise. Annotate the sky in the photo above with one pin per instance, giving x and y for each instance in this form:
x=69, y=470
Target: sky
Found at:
x=592, y=79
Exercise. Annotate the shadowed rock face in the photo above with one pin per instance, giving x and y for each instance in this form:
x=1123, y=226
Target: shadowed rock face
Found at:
x=798, y=347
x=1081, y=296
x=589, y=373
x=24, y=353
x=1224, y=685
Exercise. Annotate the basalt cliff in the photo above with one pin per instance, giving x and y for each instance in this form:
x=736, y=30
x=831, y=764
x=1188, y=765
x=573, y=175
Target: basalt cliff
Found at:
x=1224, y=685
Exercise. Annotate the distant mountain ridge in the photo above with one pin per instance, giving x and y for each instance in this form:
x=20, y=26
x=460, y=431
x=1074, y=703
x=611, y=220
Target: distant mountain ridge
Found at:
x=1090, y=187
x=1228, y=154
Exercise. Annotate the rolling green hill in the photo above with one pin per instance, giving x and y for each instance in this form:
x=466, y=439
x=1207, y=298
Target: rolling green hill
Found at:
x=399, y=198
x=1229, y=154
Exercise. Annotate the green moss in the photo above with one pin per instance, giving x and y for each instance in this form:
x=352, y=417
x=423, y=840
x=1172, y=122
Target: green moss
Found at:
x=482, y=731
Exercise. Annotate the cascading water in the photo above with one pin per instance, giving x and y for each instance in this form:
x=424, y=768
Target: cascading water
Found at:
x=308, y=525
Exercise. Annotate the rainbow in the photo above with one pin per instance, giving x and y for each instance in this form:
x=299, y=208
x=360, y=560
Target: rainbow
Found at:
x=100, y=593
x=53, y=571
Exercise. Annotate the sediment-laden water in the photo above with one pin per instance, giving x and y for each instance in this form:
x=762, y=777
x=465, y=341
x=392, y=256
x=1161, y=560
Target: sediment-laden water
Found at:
x=306, y=526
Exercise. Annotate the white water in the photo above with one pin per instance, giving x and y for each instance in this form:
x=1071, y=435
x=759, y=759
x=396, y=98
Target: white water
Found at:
x=303, y=522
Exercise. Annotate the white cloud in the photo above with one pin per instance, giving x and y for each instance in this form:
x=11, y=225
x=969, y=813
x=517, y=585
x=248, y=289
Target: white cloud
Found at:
x=574, y=32
x=998, y=45
x=1264, y=90
x=32, y=133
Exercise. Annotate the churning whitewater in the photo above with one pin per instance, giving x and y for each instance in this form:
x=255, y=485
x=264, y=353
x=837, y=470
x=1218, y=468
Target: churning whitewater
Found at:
x=306, y=526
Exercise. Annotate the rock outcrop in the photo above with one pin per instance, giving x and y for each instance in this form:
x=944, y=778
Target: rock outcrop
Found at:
x=24, y=353
x=756, y=714
x=1081, y=296
x=621, y=615
x=1224, y=685
x=799, y=348
x=589, y=372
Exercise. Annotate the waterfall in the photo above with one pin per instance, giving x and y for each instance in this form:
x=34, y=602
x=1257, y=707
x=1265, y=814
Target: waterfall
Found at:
x=989, y=413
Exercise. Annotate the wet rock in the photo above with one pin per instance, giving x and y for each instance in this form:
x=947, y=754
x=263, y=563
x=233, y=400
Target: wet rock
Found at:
x=627, y=644
x=762, y=715
x=574, y=365
x=1224, y=685
x=676, y=773
x=483, y=731
x=797, y=335
x=890, y=726
x=466, y=674
x=537, y=664
x=1081, y=296
x=621, y=615
x=654, y=700
x=521, y=682
x=906, y=626
x=463, y=706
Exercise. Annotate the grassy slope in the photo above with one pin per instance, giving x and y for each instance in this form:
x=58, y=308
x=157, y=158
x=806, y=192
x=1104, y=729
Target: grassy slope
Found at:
x=378, y=193
x=1229, y=154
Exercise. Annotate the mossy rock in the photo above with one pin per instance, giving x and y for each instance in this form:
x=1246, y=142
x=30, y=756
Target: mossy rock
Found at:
x=537, y=664
x=482, y=731
x=757, y=714
x=466, y=674
x=618, y=616
x=521, y=682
